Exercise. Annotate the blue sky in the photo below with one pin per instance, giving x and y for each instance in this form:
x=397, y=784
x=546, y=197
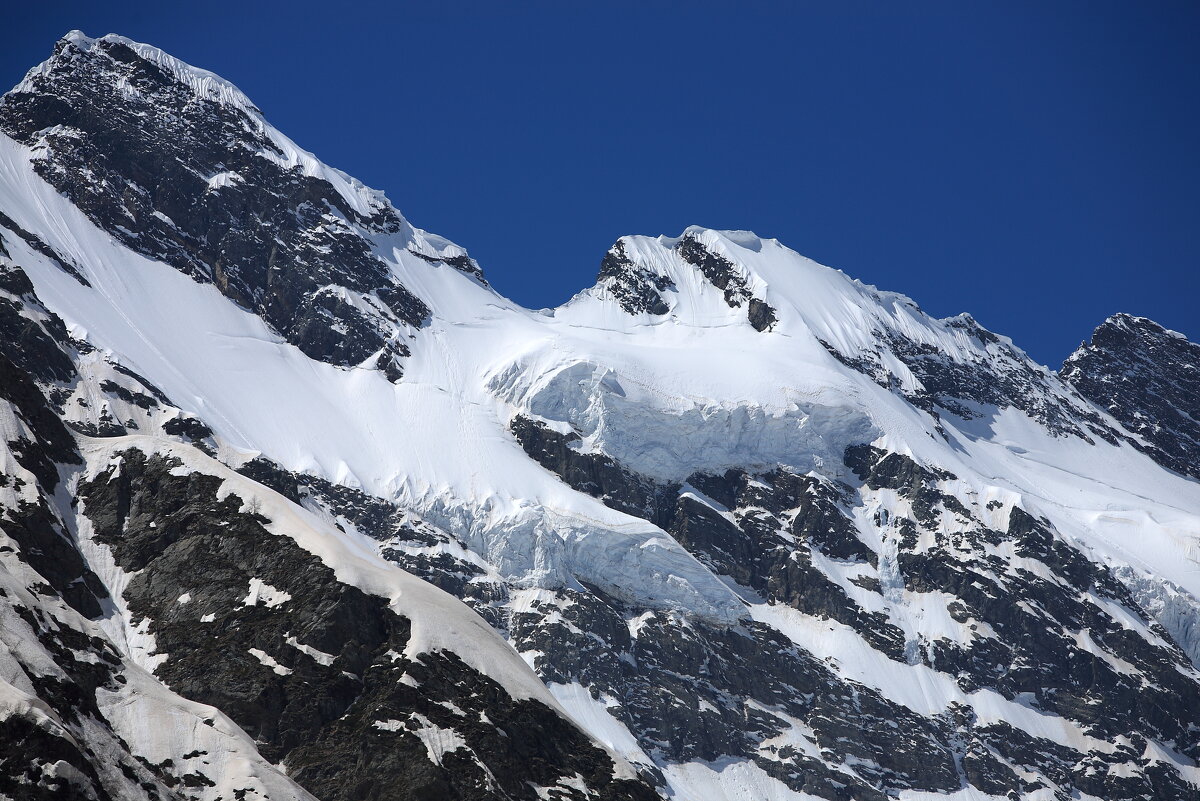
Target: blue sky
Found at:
x=1035, y=164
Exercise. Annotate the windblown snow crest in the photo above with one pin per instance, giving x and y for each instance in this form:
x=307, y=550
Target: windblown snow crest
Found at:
x=284, y=476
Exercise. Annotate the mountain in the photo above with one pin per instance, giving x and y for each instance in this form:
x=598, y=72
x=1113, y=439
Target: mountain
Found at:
x=1148, y=378
x=296, y=505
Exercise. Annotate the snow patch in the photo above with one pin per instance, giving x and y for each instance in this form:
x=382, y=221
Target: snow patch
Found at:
x=320, y=657
x=269, y=661
x=265, y=594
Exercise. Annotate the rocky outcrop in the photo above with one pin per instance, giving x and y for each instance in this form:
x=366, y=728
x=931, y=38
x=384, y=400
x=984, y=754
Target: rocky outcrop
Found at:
x=1148, y=378
x=181, y=168
x=635, y=288
x=315, y=670
x=264, y=656
x=724, y=275
x=968, y=386
x=638, y=288
x=791, y=583
x=1052, y=643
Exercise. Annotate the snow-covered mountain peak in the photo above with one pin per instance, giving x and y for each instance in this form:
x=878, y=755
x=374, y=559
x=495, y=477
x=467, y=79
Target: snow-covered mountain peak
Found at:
x=203, y=82
x=1130, y=324
x=697, y=278
x=763, y=530
x=664, y=284
x=141, y=72
x=708, y=277
x=179, y=166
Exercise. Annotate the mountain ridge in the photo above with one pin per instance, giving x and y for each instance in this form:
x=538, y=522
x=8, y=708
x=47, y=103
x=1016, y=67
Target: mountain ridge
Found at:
x=728, y=521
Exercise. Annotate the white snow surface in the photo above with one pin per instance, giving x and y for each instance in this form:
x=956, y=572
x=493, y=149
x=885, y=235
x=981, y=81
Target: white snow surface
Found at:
x=438, y=621
x=697, y=388
x=151, y=721
x=593, y=716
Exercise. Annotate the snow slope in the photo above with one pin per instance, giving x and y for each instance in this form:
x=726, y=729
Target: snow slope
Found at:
x=697, y=380
x=681, y=396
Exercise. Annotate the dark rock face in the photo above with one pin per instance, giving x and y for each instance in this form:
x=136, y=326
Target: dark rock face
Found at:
x=319, y=680
x=1004, y=377
x=760, y=314
x=403, y=538
x=635, y=288
x=696, y=692
x=1148, y=378
x=369, y=515
x=1051, y=643
x=50, y=745
x=463, y=263
x=183, y=176
x=33, y=334
x=41, y=247
x=44, y=542
x=639, y=289
x=596, y=474
x=34, y=754
x=316, y=670
x=723, y=274
x=55, y=752
x=191, y=429
x=1034, y=653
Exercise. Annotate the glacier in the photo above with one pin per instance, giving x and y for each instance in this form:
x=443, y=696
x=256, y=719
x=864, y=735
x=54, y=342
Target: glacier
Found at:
x=700, y=401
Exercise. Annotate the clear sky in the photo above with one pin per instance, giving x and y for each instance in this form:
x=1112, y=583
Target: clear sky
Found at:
x=1036, y=164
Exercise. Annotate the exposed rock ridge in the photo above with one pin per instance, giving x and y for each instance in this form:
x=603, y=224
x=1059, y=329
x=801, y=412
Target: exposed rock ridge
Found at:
x=265, y=641
x=639, y=288
x=745, y=569
x=317, y=671
x=794, y=540
x=180, y=167
x=1148, y=377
